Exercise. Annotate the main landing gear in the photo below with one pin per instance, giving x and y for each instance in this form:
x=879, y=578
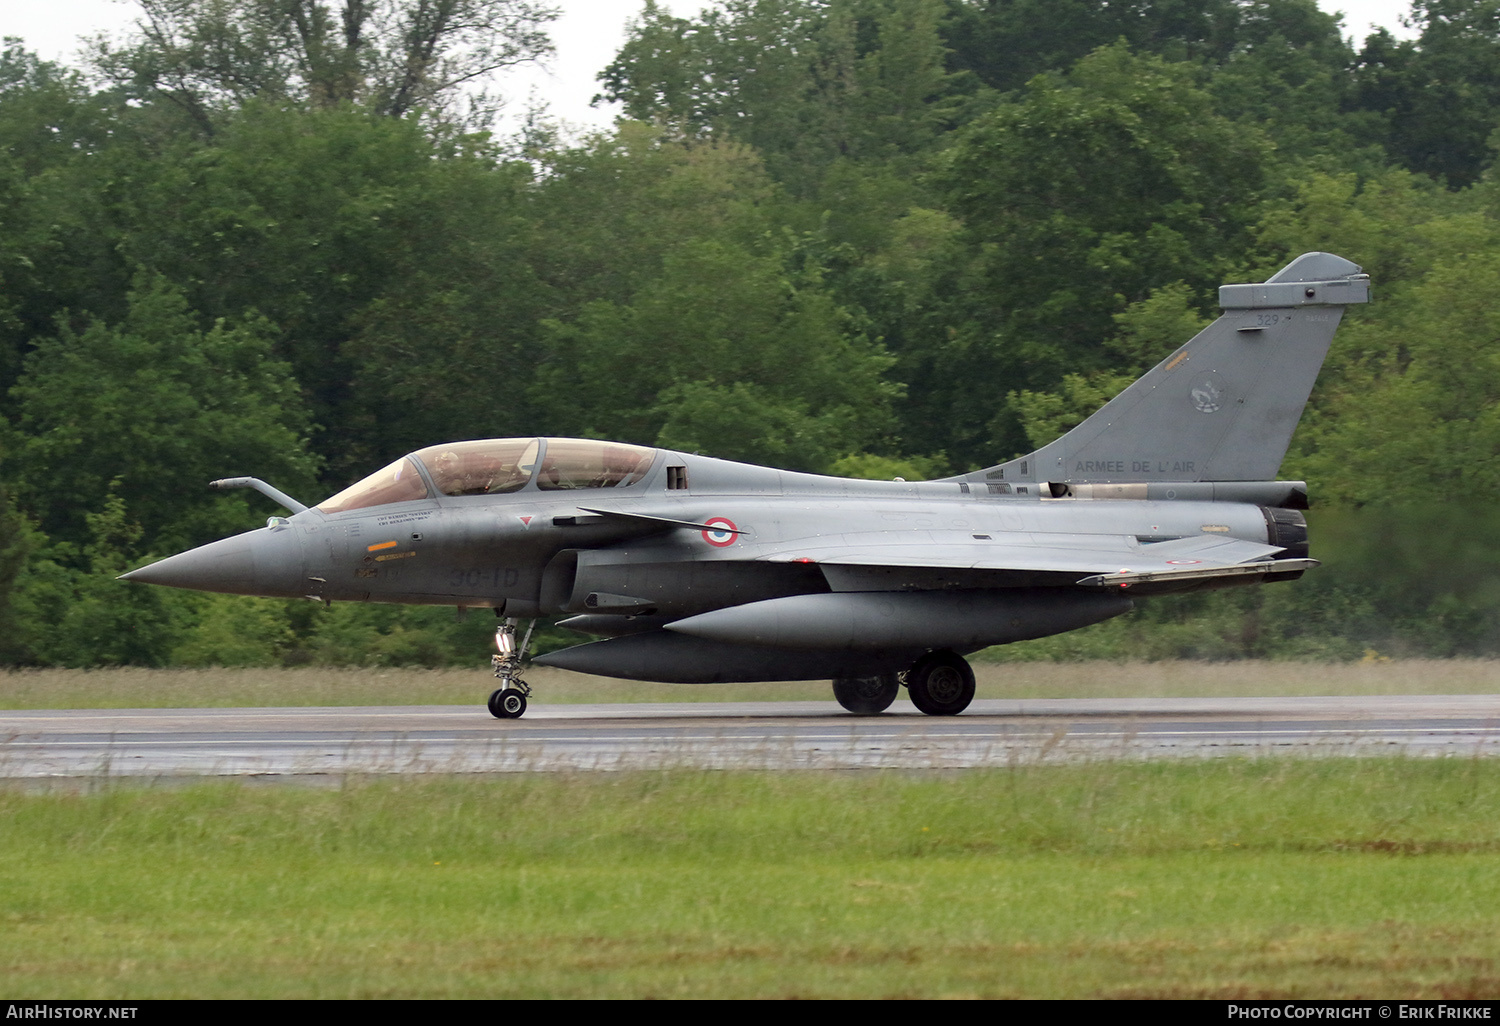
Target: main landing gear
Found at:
x=866, y=696
x=939, y=684
x=508, y=702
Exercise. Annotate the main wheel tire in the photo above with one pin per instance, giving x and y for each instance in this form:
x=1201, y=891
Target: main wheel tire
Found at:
x=941, y=684
x=507, y=704
x=866, y=696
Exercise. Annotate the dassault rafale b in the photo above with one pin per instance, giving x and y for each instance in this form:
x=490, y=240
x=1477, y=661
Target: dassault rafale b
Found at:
x=698, y=570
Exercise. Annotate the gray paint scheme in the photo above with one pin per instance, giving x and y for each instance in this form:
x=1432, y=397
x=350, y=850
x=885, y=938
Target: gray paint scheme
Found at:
x=1223, y=406
x=699, y=569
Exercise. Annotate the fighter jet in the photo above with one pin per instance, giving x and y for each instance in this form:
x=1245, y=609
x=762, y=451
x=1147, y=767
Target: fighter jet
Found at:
x=698, y=570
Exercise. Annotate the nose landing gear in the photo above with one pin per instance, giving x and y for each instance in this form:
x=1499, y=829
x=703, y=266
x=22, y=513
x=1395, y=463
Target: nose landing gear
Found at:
x=508, y=701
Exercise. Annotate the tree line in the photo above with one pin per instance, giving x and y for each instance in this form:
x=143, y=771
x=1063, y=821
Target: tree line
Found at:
x=869, y=237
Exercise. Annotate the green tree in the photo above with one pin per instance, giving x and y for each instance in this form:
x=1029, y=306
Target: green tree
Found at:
x=1401, y=227
x=16, y=543
x=1398, y=443
x=1437, y=95
x=1418, y=413
x=333, y=225
x=807, y=84
x=150, y=411
x=886, y=468
x=1146, y=332
x=1006, y=43
x=725, y=353
x=389, y=56
x=691, y=312
x=52, y=252
x=609, y=212
x=439, y=349
x=68, y=609
x=1286, y=68
x=1077, y=200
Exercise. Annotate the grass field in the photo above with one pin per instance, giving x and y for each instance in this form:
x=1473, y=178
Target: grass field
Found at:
x=1221, y=878
x=144, y=688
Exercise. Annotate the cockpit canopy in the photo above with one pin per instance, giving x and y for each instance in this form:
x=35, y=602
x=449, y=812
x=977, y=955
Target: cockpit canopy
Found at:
x=495, y=466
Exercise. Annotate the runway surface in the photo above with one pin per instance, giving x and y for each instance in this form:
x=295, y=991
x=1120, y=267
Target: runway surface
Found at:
x=321, y=742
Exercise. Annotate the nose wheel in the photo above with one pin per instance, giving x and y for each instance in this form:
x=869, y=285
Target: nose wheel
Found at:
x=508, y=701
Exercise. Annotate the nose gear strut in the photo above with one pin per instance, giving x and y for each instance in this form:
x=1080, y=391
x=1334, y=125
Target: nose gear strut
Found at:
x=508, y=701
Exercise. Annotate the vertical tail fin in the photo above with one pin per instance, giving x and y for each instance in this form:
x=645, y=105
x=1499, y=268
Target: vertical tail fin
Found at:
x=1224, y=405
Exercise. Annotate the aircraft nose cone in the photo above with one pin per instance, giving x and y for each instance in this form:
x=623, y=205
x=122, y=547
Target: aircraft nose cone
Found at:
x=258, y=563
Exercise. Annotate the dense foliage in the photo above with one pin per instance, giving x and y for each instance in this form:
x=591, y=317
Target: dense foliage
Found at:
x=859, y=236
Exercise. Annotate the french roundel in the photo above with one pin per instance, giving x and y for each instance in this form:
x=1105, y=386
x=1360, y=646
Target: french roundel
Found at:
x=722, y=537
